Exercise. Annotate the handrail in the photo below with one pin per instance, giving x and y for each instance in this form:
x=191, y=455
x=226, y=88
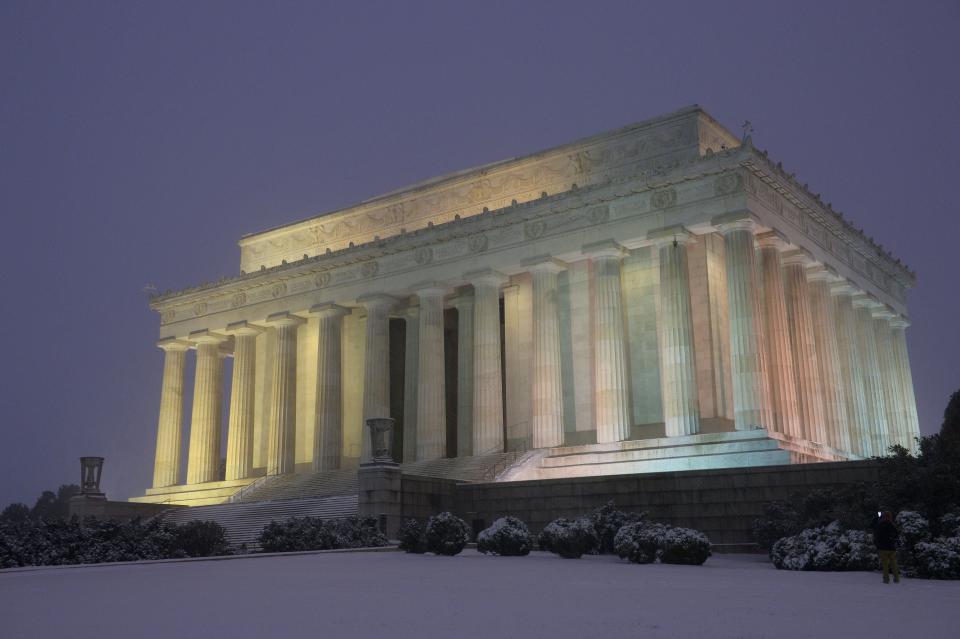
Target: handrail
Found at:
x=237, y=496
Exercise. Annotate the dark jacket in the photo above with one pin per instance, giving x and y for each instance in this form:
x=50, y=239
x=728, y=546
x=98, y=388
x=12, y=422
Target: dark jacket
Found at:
x=886, y=535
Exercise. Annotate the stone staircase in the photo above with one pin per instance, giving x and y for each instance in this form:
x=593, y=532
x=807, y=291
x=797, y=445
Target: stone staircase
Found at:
x=244, y=521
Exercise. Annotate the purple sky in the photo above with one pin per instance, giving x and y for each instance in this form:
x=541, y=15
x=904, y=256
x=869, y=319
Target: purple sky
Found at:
x=139, y=141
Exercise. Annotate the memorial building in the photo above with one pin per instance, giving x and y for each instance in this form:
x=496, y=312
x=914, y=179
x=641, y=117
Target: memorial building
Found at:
x=660, y=297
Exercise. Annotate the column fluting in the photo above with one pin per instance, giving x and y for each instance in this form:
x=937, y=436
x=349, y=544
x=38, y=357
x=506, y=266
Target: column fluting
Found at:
x=487, y=372
x=783, y=385
x=611, y=385
x=546, y=414
x=203, y=460
x=804, y=345
x=431, y=383
x=376, y=364
x=465, y=320
x=870, y=365
x=281, y=448
x=908, y=401
x=751, y=404
x=889, y=380
x=853, y=385
x=328, y=430
x=411, y=358
x=823, y=312
x=678, y=385
x=166, y=466
x=242, y=400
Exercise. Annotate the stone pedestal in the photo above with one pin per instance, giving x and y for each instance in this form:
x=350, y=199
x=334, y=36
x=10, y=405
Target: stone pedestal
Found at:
x=380, y=479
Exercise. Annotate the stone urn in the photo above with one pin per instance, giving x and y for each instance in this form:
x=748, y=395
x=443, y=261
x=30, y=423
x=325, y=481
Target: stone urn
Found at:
x=380, y=431
x=90, y=470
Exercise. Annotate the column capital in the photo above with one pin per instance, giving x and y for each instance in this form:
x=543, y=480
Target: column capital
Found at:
x=607, y=249
x=774, y=239
x=485, y=277
x=899, y=321
x=173, y=345
x=882, y=312
x=377, y=300
x=205, y=336
x=667, y=235
x=843, y=287
x=329, y=309
x=865, y=300
x=430, y=289
x=736, y=221
x=242, y=328
x=544, y=264
x=283, y=319
x=462, y=302
x=797, y=256
x=821, y=273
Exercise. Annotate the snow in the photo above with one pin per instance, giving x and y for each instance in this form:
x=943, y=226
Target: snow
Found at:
x=394, y=594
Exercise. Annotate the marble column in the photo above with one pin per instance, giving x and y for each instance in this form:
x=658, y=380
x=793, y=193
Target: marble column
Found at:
x=465, y=309
x=611, y=382
x=804, y=345
x=783, y=386
x=431, y=382
x=328, y=429
x=166, y=465
x=203, y=460
x=870, y=366
x=823, y=312
x=546, y=414
x=889, y=380
x=242, y=389
x=281, y=445
x=853, y=386
x=411, y=358
x=376, y=364
x=908, y=401
x=678, y=384
x=487, y=373
x=751, y=395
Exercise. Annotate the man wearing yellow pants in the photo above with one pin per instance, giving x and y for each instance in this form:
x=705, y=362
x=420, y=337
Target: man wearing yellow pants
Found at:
x=885, y=536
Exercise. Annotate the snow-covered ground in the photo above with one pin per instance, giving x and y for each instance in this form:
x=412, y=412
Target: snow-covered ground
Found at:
x=390, y=594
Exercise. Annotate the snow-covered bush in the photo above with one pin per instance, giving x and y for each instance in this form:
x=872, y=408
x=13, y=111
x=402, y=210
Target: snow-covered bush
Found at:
x=569, y=538
x=644, y=543
x=313, y=533
x=413, y=537
x=46, y=542
x=447, y=534
x=938, y=559
x=950, y=525
x=639, y=542
x=828, y=547
x=913, y=528
x=607, y=521
x=507, y=537
x=684, y=546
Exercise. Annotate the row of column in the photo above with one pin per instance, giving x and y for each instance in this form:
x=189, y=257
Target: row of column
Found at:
x=810, y=357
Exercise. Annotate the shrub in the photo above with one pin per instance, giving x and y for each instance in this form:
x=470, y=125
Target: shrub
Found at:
x=313, y=533
x=447, y=534
x=203, y=539
x=507, y=537
x=639, y=542
x=913, y=528
x=854, y=507
x=569, y=538
x=950, y=525
x=684, y=546
x=938, y=559
x=413, y=537
x=829, y=547
x=607, y=521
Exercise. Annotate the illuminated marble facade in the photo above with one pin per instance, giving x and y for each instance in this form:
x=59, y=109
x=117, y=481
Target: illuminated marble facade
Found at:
x=661, y=280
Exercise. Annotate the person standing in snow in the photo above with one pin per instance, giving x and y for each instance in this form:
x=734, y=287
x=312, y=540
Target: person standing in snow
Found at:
x=886, y=536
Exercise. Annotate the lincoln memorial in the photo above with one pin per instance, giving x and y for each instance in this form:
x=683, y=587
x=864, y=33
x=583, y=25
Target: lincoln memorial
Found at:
x=659, y=297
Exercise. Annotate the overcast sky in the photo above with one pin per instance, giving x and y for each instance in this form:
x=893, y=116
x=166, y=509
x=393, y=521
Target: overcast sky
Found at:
x=139, y=141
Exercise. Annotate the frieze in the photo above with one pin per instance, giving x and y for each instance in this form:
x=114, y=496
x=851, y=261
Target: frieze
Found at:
x=728, y=183
x=321, y=280
x=663, y=199
x=478, y=243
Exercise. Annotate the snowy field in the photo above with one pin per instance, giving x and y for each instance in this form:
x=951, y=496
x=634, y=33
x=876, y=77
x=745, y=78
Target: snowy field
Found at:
x=390, y=594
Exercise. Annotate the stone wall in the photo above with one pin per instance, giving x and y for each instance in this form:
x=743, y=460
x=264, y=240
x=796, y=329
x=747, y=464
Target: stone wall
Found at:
x=721, y=503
